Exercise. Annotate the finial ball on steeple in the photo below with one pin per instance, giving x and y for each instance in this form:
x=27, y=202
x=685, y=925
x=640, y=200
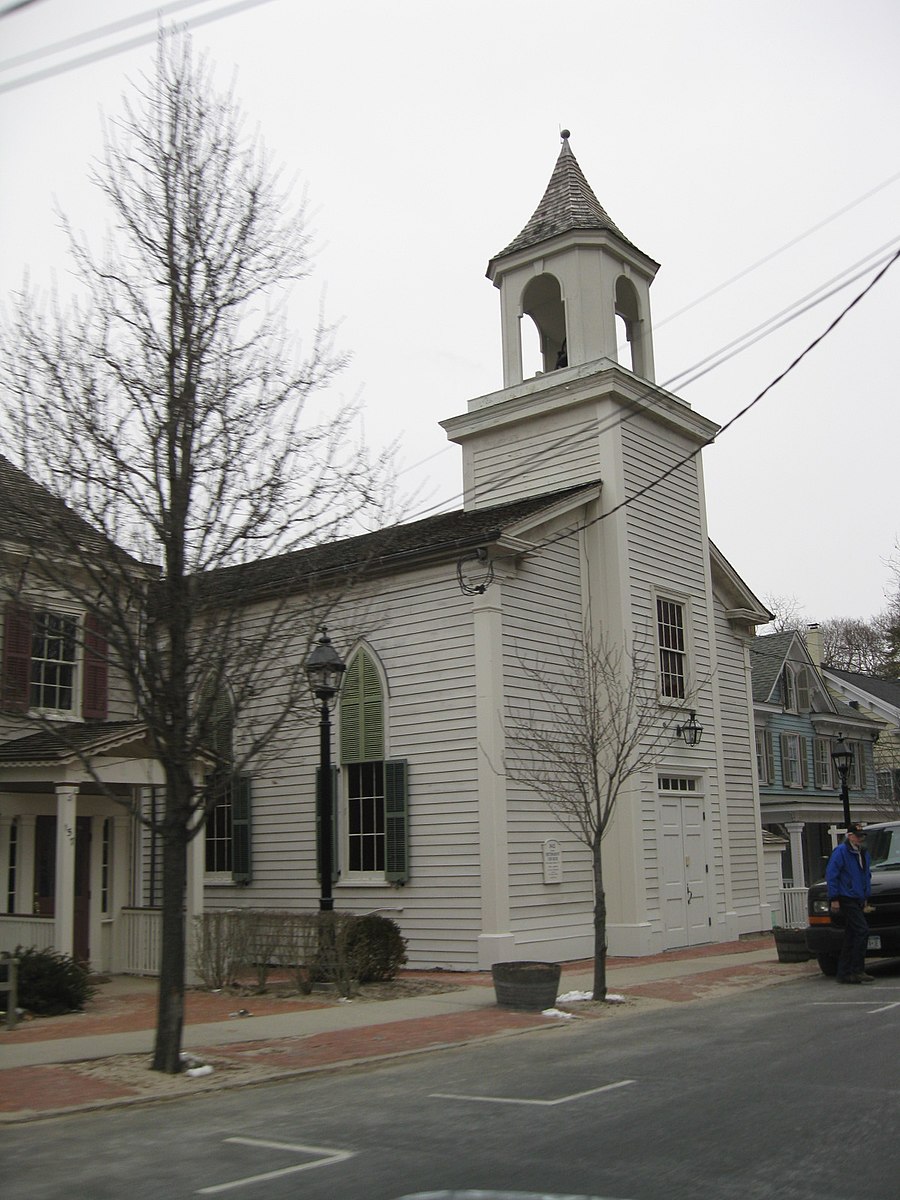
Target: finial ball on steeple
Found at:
x=565, y=134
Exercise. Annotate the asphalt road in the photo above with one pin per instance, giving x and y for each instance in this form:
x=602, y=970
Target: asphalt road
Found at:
x=790, y=1091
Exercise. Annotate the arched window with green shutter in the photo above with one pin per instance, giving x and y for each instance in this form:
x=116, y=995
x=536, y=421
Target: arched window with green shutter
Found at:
x=375, y=835
x=362, y=711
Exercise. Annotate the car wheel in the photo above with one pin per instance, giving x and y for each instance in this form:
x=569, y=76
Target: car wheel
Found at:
x=828, y=963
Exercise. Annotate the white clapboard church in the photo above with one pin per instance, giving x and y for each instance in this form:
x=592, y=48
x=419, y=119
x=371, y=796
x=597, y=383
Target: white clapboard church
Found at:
x=584, y=505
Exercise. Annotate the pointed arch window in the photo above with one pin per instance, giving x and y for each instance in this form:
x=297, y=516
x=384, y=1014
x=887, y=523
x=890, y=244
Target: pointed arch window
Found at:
x=376, y=827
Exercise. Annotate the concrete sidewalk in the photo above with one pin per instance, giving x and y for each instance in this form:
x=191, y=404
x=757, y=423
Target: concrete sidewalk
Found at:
x=100, y=1058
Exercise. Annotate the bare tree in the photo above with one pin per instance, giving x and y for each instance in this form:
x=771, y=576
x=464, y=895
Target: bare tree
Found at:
x=169, y=408
x=598, y=725
x=851, y=644
x=788, y=614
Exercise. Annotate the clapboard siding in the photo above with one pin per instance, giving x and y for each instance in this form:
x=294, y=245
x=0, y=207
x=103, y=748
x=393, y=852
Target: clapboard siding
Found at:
x=542, y=615
x=559, y=450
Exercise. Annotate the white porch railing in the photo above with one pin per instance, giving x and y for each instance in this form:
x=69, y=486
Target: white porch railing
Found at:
x=19, y=929
x=793, y=907
x=140, y=941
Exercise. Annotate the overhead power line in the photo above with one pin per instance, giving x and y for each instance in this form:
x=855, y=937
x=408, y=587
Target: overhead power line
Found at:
x=91, y=35
x=227, y=10
x=686, y=458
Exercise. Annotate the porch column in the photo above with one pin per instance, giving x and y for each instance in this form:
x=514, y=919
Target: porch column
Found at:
x=64, y=892
x=795, y=833
x=5, y=833
x=25, y=864
x=96, y=940
x=196, y=870
x=119, y=881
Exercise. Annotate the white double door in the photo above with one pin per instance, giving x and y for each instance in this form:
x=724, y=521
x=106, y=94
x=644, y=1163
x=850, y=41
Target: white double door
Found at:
x=684, y=873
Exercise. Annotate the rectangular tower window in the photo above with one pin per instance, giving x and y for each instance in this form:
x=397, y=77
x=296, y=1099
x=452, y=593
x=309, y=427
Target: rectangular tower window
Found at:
x=672, y=649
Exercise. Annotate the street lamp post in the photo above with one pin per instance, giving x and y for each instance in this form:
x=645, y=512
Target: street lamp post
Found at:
x=324, y=670
x=842, y=757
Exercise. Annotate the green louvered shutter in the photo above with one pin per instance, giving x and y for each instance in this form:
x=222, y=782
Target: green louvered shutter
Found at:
x=240, y=829
x=362, y=712
x=351, y=743
x=396, y=822
x=335, y=839
x=770, y=758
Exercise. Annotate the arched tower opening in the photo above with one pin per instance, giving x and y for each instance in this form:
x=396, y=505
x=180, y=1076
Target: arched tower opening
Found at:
x=629, y=349
x=542, y=301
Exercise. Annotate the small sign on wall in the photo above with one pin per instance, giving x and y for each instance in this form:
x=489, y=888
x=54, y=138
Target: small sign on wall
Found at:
x=552, y=861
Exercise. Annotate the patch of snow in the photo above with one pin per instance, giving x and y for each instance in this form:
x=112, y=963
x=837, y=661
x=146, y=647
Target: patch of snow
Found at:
x=555, y=1012
x=569, y=997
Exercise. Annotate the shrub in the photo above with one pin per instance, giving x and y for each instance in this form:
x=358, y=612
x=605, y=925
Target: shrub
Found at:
x=220, y=946
x=51, y=983
x=375, y=948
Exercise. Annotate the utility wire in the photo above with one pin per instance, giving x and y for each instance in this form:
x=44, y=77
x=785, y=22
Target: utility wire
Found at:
x=227, y=10
x=654, y=483
x=703, y=367
x=100, y=31
x=11, y=8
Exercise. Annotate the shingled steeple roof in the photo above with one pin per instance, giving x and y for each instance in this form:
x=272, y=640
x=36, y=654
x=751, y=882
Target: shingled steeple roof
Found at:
x=568, y=204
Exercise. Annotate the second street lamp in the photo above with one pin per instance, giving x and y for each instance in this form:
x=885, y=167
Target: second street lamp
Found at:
x=842, y=757
x=324, y=670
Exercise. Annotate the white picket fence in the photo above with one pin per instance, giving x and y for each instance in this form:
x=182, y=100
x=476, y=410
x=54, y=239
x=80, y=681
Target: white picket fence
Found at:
x=793, y=907
x=140, y=941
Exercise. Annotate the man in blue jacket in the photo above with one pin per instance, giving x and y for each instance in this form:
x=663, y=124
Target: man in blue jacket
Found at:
x=849, y=880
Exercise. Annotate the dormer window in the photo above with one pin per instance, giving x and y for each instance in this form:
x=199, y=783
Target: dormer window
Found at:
x=795, y=688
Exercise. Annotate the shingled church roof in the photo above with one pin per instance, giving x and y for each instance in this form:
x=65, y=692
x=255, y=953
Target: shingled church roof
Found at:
x=568, y=204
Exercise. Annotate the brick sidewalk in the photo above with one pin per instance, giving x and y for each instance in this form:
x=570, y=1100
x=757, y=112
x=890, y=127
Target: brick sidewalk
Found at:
x=30, y=1092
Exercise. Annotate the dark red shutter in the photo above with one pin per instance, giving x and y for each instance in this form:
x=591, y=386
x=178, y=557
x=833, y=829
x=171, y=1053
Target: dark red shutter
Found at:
x=16, y=684
x=94, y=692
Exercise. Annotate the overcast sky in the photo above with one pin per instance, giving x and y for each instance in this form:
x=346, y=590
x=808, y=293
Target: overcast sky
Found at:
x=714, y=132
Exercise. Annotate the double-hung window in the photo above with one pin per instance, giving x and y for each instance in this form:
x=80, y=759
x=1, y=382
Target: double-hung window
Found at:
x=793, y=760
x=228, y=796
x=671, y=637
x=858, y=766
x=54, y=662
x=822, y=763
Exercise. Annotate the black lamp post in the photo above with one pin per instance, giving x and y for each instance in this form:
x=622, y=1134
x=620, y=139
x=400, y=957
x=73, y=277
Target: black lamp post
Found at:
x=690, y=730
x=842, y=757
x=324, y=670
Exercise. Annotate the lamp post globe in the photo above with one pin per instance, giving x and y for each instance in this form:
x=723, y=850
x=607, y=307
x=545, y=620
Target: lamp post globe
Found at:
x=842, y=757
x=324, y=668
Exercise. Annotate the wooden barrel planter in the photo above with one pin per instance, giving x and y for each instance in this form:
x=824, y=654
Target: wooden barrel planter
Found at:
x=527, y=986
x=791, y=945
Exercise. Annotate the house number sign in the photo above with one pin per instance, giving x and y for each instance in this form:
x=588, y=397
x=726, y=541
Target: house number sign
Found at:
x=552, y=861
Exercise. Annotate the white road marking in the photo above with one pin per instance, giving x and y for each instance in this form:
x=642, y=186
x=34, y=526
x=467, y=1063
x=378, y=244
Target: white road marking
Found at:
x=326, y=1159
x=609, y=1087
x=856, y=1004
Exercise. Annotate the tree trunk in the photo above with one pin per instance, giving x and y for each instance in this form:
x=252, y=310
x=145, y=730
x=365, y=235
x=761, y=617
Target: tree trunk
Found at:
x=599, y=928
x=170, y=1006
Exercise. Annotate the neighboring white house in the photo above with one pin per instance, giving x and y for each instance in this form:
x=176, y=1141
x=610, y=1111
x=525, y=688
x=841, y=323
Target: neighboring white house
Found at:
x=584, y=504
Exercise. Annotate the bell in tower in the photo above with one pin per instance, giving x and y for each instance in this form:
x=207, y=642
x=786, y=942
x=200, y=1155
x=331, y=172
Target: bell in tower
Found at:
x=578, y=278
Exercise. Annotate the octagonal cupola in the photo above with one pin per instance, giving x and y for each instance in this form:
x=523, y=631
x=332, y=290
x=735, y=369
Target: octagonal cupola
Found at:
x=573, y=273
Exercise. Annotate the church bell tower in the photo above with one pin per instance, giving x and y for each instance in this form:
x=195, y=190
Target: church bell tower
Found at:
x=574, y=273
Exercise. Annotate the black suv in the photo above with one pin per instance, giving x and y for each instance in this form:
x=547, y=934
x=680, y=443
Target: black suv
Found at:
x=825, y=932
